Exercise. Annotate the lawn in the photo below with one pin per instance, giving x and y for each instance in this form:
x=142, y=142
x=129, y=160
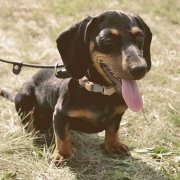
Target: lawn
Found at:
x=28, y=30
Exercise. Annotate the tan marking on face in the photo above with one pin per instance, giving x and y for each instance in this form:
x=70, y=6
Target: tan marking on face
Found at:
x=139, y=61
x=124, y=62
x=114, y=63
x=114, y=31
x=134, y=30
x=96, y=57
x=81, y=114
x=117, y=64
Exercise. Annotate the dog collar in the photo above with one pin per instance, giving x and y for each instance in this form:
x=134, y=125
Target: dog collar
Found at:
x=90, y=86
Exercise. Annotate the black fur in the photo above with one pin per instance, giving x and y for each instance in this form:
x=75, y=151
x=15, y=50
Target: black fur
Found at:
x=51, y=100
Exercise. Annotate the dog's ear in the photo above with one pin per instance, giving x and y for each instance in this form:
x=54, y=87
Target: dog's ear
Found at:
x=73, y=47
x=147, y=40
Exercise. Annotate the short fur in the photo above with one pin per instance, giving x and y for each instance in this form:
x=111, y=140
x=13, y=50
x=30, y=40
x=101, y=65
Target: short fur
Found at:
x=119, y=40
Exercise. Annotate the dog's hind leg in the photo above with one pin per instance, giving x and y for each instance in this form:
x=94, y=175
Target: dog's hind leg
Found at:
x=25, y=105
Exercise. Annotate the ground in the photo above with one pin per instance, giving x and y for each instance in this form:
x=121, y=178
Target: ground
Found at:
x=28, y=30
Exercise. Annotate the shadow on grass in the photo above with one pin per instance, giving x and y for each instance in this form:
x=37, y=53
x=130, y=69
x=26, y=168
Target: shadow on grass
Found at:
x=91, y=163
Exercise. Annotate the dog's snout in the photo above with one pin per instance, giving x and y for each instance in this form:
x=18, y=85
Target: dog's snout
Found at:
x=138, y=71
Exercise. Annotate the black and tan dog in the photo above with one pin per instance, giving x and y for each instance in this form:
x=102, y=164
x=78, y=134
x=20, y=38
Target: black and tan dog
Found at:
x=104, y=56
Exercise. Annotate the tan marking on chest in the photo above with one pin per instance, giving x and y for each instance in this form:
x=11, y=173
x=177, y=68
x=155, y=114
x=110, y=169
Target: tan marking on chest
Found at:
x=120, y=109
x=84, y=113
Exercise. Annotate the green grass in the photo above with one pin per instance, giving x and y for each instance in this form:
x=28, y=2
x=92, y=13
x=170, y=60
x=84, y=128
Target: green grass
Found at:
x=28, y=30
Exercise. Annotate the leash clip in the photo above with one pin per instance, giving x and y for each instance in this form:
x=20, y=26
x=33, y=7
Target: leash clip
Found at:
x=60, y=72
x=17, y=67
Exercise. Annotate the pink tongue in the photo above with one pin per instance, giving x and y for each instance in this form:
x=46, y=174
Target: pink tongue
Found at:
x=131, y=95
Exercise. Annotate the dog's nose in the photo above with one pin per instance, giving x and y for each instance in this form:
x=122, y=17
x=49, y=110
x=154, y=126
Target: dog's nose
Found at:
x=138, y=71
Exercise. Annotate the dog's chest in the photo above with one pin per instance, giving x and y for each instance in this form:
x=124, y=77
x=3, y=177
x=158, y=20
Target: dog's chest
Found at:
x=95, y=113
x=90, y=105
x=92, y=112
x=94, y=119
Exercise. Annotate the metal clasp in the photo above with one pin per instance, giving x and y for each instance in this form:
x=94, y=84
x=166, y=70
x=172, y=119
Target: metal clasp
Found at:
x=60, y=72
x=17, y=67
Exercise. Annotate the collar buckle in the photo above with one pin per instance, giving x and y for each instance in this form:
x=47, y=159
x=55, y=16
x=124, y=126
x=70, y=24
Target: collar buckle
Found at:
x=97, y=88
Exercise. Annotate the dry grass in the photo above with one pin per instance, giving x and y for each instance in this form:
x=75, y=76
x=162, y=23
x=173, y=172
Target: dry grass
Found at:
x=28, y=30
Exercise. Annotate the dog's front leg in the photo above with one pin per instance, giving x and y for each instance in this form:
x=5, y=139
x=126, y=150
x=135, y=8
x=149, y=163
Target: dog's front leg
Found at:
x=63, y=141
x=112, y=142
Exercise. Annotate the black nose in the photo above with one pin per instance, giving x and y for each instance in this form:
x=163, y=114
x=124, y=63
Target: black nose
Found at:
x=138, y=71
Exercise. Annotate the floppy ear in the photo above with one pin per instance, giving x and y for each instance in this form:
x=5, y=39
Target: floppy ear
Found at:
x=147, y=40
x=74, y=49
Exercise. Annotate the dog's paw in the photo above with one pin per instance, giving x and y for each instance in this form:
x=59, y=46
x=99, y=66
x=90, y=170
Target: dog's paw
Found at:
x=58, y=159
x=116, y=148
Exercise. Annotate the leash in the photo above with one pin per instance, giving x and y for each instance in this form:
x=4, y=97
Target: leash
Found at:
x=60, y=70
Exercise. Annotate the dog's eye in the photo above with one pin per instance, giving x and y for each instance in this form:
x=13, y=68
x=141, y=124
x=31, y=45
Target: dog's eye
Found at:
x=106, y=40
x=140, y=38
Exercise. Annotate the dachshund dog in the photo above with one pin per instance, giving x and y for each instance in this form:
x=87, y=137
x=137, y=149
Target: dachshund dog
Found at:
x=104, y=55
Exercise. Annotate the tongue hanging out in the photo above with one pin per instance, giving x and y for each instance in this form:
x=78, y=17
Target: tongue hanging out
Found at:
x=128, y=88
x=131, y=95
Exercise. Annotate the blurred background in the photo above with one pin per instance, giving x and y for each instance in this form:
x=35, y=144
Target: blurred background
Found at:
x=28, y=31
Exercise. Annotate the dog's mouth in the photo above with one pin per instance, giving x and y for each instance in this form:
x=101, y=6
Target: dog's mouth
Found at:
x=127, y=88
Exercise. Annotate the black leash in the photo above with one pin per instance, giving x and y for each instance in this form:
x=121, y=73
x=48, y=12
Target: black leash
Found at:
x=60, y=70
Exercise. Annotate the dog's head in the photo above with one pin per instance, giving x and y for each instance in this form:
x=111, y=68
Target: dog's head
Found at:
x=115, y=43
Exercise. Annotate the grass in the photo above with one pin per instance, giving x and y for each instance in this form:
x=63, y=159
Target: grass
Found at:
x=28, y=30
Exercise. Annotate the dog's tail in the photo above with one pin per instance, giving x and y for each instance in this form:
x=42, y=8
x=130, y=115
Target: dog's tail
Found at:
x=7, y=95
